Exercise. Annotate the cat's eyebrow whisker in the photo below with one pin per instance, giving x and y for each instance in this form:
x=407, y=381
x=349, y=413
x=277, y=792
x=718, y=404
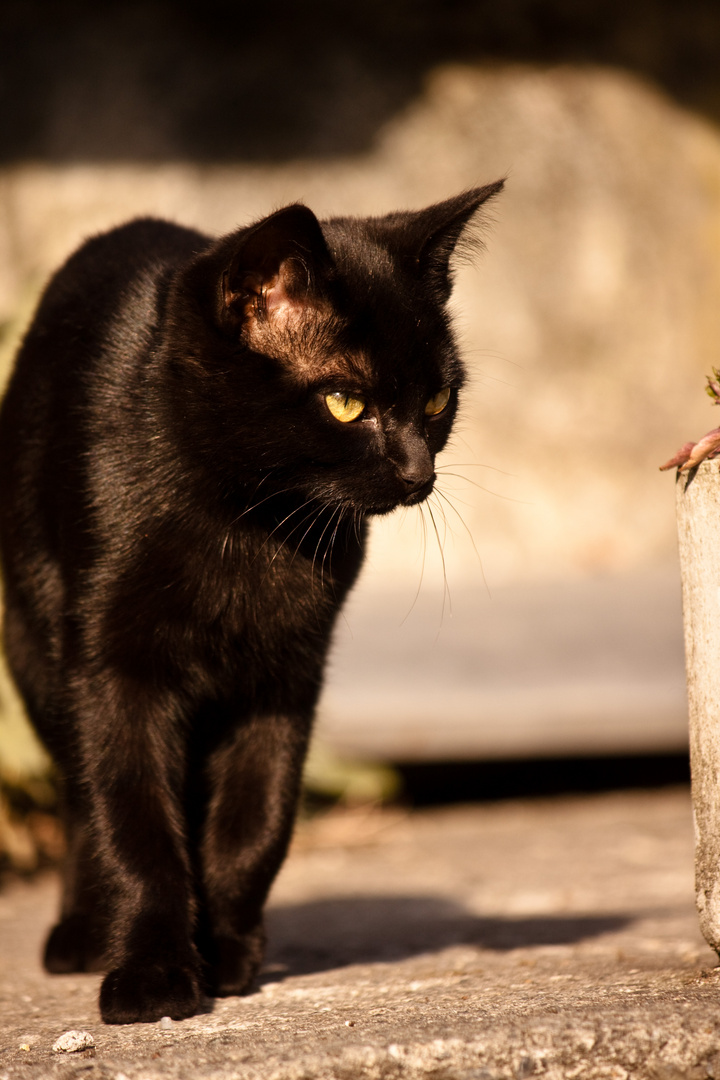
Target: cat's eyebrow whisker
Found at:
x=493, y=355
x=485, y=376
x=459, y=437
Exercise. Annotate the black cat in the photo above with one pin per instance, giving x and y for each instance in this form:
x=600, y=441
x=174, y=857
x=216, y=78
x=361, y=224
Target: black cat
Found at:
x=191, y=442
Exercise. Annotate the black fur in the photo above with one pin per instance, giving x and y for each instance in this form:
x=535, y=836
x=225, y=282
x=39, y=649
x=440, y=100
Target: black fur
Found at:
x=181, y=519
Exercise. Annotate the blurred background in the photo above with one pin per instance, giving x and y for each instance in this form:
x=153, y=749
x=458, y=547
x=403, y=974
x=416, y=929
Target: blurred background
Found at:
x=522, y=630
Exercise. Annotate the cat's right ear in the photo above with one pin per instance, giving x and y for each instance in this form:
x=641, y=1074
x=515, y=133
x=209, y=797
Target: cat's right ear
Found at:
x=431, y=235
x=276, y=270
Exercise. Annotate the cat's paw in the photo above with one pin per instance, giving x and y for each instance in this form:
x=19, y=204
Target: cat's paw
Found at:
x=74, y=945
x=142, y=993
x=234, y=962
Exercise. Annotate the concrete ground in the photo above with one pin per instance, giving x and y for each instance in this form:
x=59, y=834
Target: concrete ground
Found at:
x=552, y=938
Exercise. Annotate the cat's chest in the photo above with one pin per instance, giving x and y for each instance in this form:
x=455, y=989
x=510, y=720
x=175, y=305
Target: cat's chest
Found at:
x=273, y=599
x=247, y=599
x=266, y=630
x=294, y=577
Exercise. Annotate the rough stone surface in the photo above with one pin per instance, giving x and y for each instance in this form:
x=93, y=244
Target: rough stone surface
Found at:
x=553, y=938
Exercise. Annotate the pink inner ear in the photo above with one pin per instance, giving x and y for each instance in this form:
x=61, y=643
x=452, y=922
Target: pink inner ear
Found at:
x=274, y=288
x=277, y=297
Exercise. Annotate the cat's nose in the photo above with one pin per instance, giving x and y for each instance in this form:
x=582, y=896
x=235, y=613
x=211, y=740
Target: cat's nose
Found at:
x=417, y=480
x=414, y=467
x=415, y=470
x=418, y=483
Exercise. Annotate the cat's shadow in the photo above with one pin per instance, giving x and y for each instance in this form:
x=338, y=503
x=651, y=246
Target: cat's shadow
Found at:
x=320, y=935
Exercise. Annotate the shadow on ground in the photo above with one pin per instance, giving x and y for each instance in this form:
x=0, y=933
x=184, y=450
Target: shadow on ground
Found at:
x=321, y=935
x=433, y=783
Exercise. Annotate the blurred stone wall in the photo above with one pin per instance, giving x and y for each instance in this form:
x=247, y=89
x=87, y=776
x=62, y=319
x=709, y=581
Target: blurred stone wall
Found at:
x=588, y=322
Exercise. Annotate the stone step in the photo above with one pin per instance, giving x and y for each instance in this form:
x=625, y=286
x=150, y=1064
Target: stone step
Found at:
x=587, y=666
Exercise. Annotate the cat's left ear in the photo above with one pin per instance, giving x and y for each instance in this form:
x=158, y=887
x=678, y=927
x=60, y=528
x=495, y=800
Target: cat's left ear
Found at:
x=436, y=230
x=277, y=267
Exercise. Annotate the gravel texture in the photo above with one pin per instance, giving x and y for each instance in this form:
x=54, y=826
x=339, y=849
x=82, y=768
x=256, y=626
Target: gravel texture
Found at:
x=553, y=938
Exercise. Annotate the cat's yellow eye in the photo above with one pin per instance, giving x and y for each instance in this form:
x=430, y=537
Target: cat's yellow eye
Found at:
x=345, y=407
x=437, y=403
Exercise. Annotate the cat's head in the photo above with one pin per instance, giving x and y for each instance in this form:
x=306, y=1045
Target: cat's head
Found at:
x=333, y=351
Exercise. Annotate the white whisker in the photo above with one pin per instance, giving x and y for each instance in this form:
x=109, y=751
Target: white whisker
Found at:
x=467, y=529
x=469, y=465
x=488, y=491
x=446, y=587
x=422, y=564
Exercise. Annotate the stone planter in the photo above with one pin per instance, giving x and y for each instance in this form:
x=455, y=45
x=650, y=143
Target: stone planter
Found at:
x=698, y=507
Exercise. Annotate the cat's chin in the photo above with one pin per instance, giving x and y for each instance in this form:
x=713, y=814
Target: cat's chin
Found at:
x=380, y=511
x=413, y=499
x=417, y=497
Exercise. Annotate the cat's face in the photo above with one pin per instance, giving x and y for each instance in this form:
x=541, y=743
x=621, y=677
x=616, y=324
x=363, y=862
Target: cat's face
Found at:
x=344, y=361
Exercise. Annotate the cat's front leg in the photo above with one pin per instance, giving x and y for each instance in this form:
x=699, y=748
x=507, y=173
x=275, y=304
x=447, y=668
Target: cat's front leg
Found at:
x=133, y=765
x=78, y=942
x=255, y=779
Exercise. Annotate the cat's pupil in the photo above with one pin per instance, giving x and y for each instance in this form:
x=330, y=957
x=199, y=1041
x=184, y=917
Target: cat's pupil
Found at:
x=437, y=403
x=345, y=407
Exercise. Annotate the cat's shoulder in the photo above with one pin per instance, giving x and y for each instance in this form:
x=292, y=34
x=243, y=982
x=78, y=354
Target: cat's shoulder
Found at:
x=139, y=242
x=112, y=269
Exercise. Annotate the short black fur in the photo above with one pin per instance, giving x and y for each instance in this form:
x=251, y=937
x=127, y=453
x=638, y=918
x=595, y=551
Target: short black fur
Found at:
x=182, y=516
